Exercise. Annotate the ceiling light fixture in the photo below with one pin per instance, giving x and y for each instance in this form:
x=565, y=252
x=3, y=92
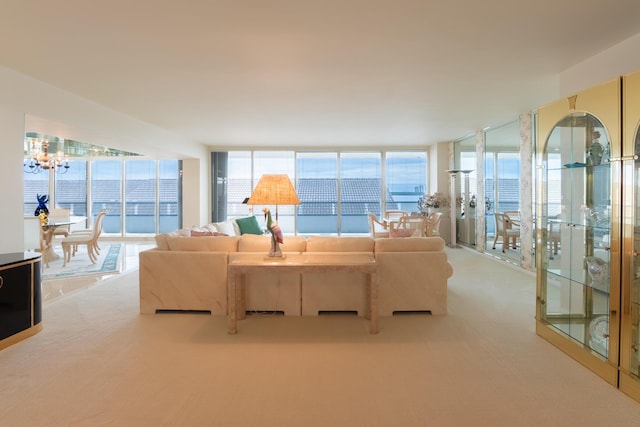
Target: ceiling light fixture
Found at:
x=39, y=158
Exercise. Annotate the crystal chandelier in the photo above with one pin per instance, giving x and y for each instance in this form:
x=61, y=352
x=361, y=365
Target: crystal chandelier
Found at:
x=39, y=158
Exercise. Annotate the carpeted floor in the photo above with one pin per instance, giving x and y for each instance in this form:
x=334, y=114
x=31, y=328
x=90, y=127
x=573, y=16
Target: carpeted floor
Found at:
x=98, y=362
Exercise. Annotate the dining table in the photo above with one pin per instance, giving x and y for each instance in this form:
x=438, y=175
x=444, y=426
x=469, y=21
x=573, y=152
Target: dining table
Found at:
x=48, y=231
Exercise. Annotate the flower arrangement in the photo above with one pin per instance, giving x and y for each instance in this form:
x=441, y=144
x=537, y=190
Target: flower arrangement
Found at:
x=435, y=200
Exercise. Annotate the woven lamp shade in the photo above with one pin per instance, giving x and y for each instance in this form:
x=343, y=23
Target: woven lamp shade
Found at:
x=274, y=190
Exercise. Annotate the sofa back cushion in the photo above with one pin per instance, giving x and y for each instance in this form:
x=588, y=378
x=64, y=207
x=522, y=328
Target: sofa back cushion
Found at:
x=204, y=244
x=253, y=243
x=409, y=244
x=200, y=233
x=339, y=244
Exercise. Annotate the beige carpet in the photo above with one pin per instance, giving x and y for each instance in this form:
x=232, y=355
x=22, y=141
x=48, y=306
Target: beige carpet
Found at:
x=97, y=362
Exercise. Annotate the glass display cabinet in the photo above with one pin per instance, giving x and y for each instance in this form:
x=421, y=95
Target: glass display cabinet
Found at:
x=577, y=241
x=630, y=329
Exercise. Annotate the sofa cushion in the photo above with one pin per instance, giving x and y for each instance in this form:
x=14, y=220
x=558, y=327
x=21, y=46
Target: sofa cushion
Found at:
x=210, y=244
x=409, y=244
x=226, y=227
x=211, y=227
x=253, y=243
x=161, y=239
x=339, y=244
x=249, y=225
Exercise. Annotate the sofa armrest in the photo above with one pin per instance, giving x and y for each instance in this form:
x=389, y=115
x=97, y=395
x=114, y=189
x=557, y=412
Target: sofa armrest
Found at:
x=413, y=281
x=183, y=280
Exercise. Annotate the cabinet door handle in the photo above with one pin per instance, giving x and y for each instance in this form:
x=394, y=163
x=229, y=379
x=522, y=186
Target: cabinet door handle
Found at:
x=1, y=281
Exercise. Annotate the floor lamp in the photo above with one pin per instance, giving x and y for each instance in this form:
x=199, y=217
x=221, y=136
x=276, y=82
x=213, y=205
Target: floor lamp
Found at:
x=467, y=216
x=452, y=211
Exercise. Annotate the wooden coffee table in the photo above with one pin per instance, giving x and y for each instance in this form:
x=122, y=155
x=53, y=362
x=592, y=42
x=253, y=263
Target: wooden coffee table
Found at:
x=243, y=264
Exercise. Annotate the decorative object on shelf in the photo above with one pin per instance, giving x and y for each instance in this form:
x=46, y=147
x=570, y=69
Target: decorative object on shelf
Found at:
x=43, y=199
x=276, y=235
x=596, y=150
x=598, y=270
x=575, y=165
x=429, y=202
x=39, y=158
x=599, y=332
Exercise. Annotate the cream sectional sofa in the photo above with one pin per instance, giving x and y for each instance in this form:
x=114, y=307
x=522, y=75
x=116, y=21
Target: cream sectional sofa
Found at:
x=186, y=272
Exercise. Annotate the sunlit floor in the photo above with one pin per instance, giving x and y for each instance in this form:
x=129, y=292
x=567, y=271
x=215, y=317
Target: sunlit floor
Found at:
x=54, y=289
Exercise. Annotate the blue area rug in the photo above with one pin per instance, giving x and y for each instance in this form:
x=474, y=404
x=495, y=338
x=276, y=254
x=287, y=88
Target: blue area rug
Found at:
x=80, y=264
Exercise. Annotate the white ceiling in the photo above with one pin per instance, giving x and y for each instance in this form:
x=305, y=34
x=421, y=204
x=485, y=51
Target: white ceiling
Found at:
x=339, y=73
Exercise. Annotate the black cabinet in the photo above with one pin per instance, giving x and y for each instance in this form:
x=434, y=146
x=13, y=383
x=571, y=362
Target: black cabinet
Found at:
x=20, y=297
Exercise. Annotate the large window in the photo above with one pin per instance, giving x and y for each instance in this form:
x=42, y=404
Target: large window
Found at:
x=34, y=184
x=169, y=196
x=360, y=184
x=336, y=189
x=148, y=190
x=71, y=188
x=106, y=193
x=140, y=196
x=317, y=187
x=406, y=179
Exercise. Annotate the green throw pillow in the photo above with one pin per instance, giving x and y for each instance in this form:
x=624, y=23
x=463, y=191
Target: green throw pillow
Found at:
x=249, y=225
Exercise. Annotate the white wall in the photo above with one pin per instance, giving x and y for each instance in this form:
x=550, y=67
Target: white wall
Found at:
x=47, y=109
x=11, y=188
x=616, y=61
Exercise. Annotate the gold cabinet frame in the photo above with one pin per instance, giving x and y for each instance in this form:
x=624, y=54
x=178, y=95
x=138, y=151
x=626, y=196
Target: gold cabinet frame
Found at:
x=603, y=103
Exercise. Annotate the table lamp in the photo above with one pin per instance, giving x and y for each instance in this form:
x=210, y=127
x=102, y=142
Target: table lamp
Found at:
x=274, y=190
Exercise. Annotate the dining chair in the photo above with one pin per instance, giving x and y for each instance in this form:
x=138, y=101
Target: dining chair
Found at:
x=377, y=228
x=70, y=244
x=514, y=216
x=394, y=214
x=97, y=223
x=409, y=222
x=433, y=224
x=506, y=231
x=60, y=215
